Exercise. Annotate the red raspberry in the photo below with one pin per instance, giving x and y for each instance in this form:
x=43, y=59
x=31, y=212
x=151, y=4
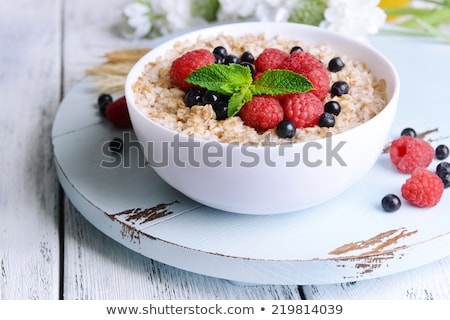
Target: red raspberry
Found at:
x=188, y=62
x=117, y=113
x=304, y=109
x=423, y=189
x=408, y=153
x=262, y=113
x=311, y=68
x=270, y=58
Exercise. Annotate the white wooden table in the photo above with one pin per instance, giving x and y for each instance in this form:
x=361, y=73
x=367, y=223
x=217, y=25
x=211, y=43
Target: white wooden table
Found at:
x=47, y=249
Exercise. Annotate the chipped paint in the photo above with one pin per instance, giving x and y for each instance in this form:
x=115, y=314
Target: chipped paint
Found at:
x=145, y=215
x=140, y=216
x=381, y=241
x=374, y=252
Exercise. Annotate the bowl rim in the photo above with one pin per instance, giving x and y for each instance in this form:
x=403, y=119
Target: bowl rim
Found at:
x=136, y=71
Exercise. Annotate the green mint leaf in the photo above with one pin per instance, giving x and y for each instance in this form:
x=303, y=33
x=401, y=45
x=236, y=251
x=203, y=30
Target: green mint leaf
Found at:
x=237, y=100
x=273, y=82
x=224, y=79
x=236, y=81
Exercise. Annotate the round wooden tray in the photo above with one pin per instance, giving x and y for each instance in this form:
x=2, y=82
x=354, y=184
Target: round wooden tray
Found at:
x=346, y=239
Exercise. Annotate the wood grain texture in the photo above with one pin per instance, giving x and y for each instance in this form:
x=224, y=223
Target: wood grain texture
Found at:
x=96, y=267
x=92, y=29
x=424, y=283
x=30, y=77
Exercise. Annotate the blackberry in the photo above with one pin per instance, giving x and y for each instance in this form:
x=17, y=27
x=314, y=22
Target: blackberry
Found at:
x=336, y=64
x=248, y=57
x=296, y=48
x=441, y=152
x=220, y=51
x=408, y=132
x=327, y=120
x=286, y=129
x=391, y=202
x=231, y=58
x=193, y=96
x=333, y=107
x=339, y=88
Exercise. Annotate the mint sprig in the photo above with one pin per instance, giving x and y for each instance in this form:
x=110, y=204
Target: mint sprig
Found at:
x=236, y=81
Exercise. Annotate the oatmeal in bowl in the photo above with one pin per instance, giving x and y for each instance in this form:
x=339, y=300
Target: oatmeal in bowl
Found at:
x=262, y=118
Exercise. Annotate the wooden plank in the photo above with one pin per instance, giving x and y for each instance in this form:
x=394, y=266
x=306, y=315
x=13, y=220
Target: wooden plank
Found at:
x=424, y=283
x=30, y=76
x=92, y=29
x=95, y=266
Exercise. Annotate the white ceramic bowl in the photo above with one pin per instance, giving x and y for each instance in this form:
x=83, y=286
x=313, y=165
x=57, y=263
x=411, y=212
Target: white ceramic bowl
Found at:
x=270, y=185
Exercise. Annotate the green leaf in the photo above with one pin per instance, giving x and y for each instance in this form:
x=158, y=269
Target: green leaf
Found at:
x=273, y=82
x=225, y=79
x=206, y=9
x=236, y=81
x=237, y=100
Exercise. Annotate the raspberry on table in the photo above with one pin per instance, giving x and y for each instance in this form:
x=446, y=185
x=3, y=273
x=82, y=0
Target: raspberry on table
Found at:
x=408, y=153
x=188, y=62
x=423, y=189
x=117, y=113
x=311, y=68
x=270, y=58
x=262, y=113
x=303, y=109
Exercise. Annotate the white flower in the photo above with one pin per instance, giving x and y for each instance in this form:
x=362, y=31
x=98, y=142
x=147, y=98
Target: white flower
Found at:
x=274, y=10
x=137, y=19
x=175, y=15
x=355, y=18
x=233, y=10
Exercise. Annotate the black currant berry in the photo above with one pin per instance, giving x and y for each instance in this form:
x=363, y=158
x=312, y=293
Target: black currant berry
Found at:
x=332, y=107
x=231, y=58
x=247, y=57
x=103, y=100
x=391, y=203
x=220, y=51
x=193, y=96
x=408, y=132
x=327, y=120
x=286, y=129
x=441, y=152
x=221, y=110
x=211, y=97
x=219, y=59
x=443, y=166
x=339, y=88
x=250, y=66
x=296, y=48
x=336, y=64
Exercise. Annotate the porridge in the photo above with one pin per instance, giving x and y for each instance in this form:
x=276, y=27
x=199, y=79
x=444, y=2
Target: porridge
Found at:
x=163, y=102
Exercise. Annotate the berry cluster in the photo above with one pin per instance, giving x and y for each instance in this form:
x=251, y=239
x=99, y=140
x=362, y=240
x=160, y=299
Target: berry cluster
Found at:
x=412, y=155
x=285, y=112
x=115, y=111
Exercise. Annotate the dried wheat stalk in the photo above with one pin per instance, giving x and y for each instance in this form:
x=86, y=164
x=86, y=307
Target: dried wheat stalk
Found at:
x=110, y=76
